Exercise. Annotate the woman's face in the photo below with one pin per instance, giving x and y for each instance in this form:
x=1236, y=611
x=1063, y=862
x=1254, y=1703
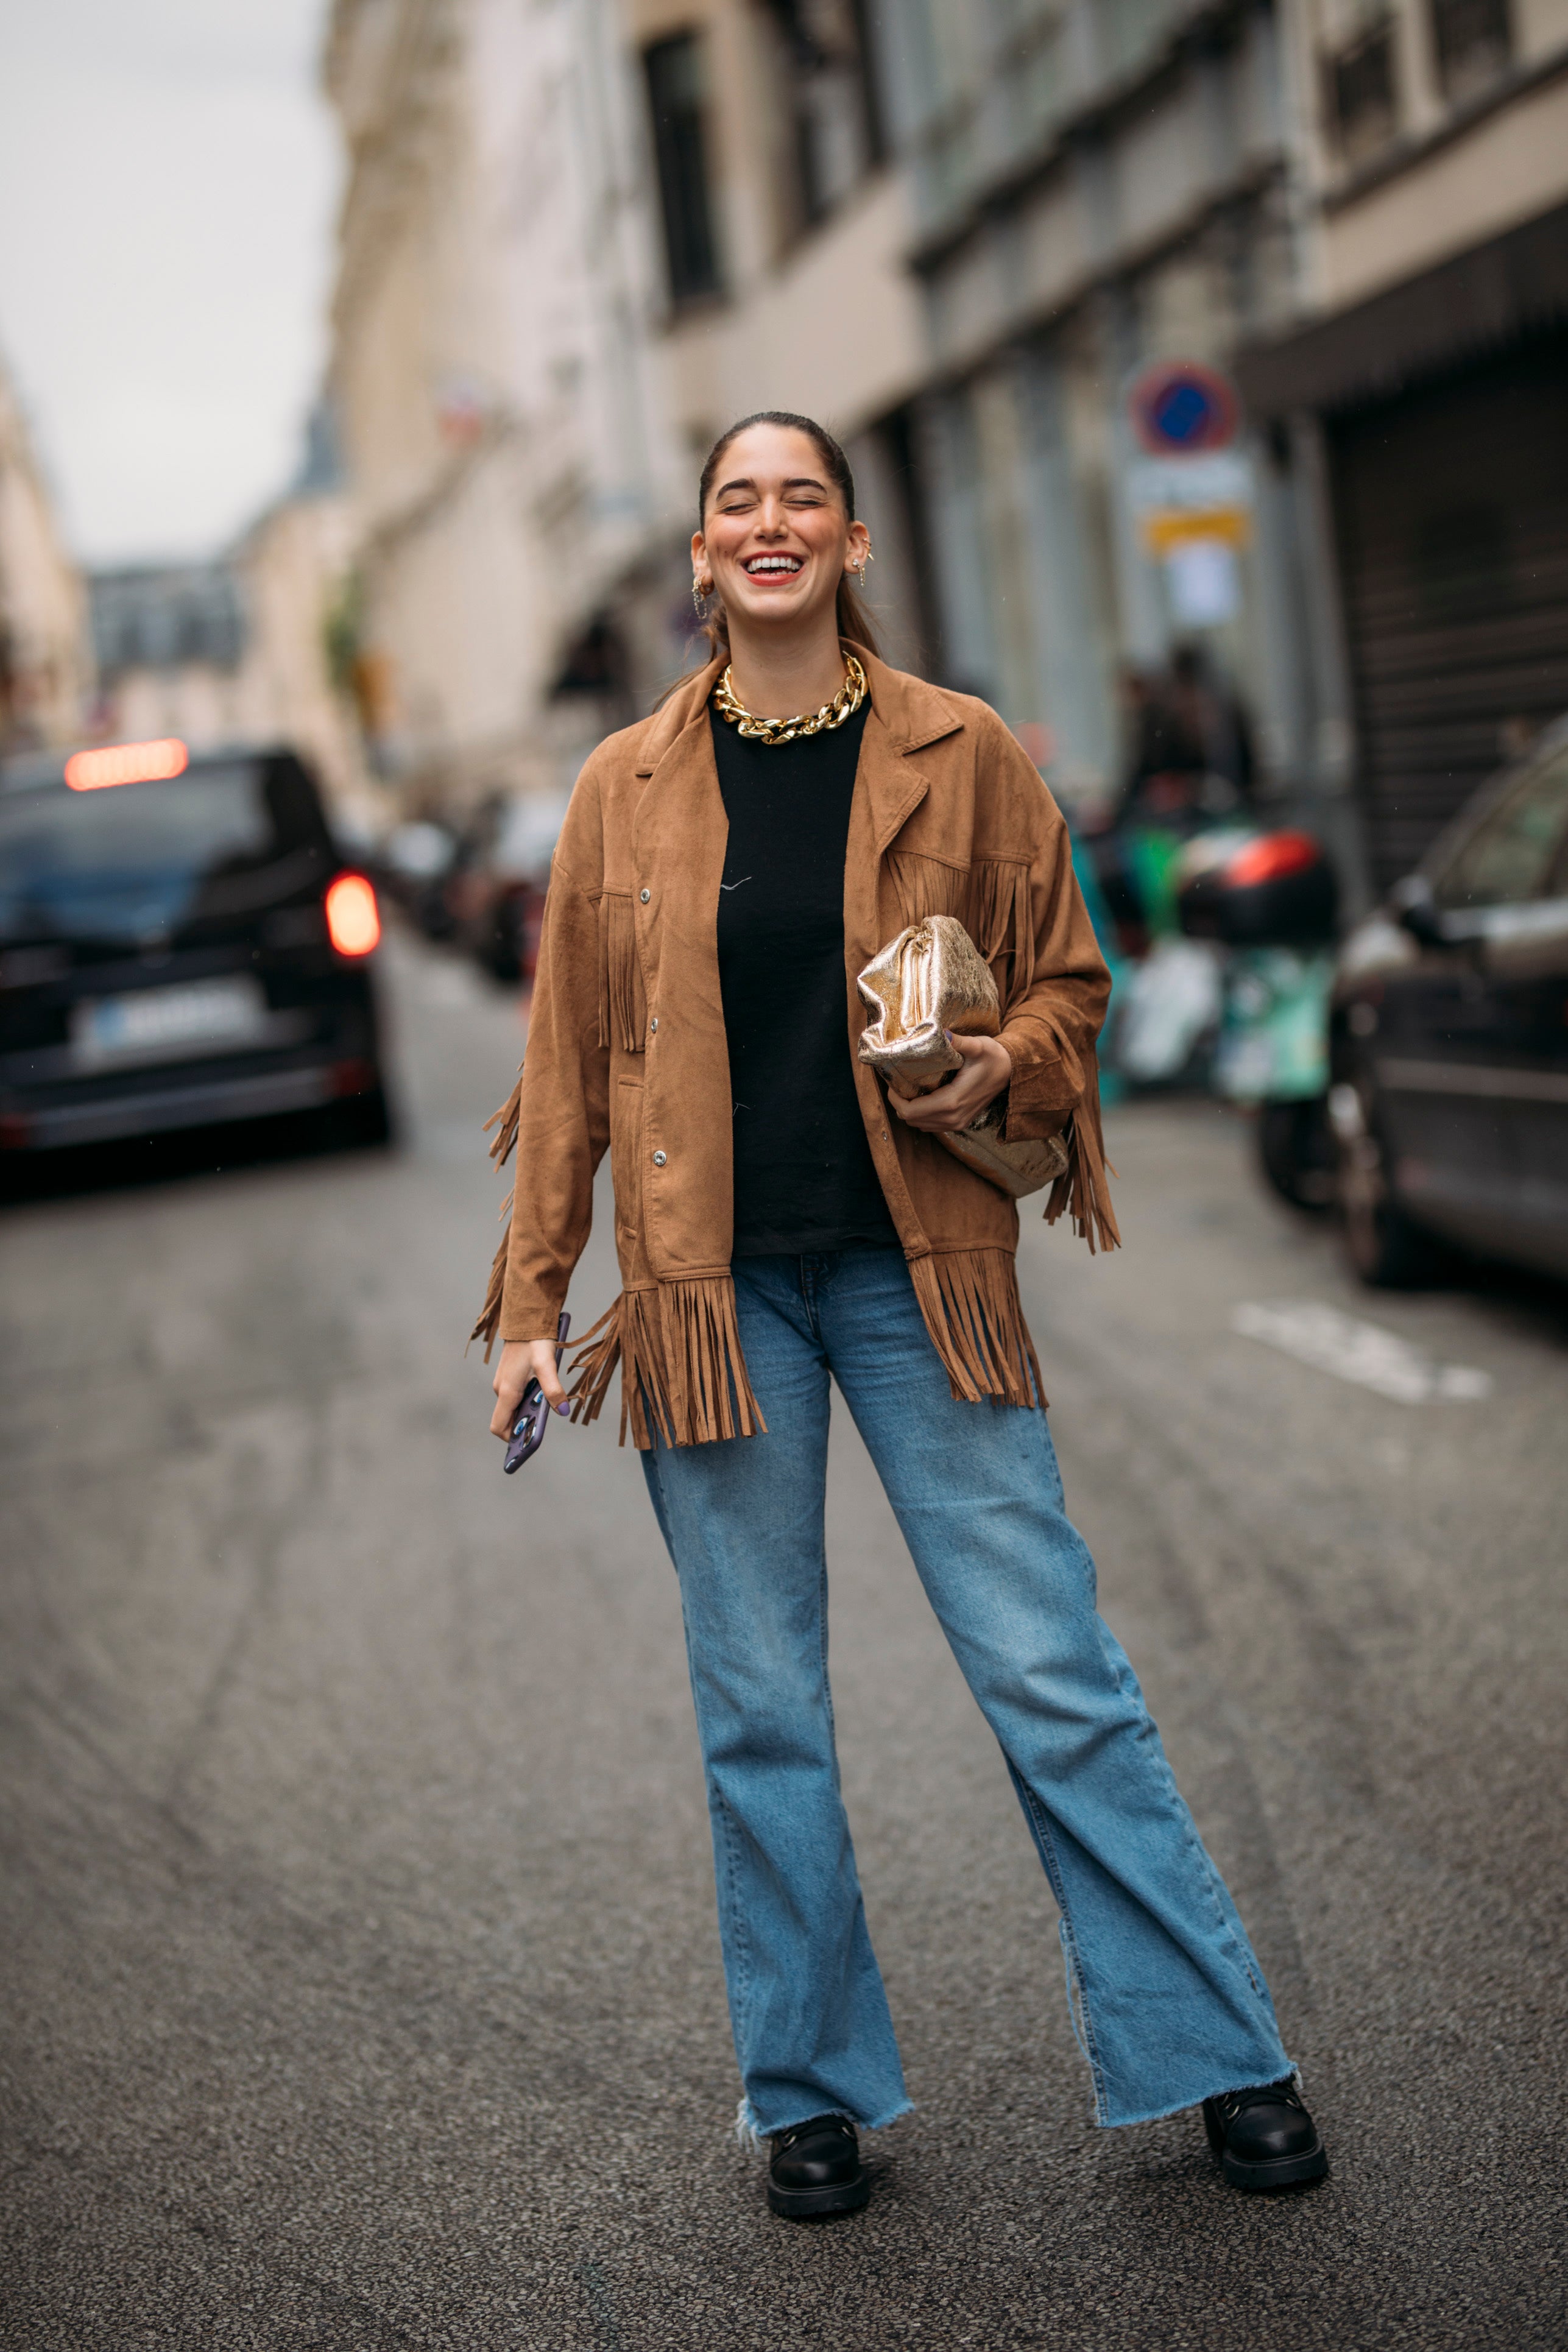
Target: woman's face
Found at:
x=776, y=540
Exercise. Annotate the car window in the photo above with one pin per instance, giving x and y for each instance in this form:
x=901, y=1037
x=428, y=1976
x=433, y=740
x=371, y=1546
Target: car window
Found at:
x=140, y=860
x=1512, y=852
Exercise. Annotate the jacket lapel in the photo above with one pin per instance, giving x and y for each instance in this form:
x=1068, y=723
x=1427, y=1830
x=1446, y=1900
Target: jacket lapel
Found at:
x=679, y=839
x=906, y=715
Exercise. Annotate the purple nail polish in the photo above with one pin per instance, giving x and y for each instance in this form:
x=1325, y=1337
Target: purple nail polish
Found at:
x=562, y=1407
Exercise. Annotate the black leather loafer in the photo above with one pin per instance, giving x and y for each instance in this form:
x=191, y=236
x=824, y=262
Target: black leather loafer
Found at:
x=816, y=2169
x=1264, y=2138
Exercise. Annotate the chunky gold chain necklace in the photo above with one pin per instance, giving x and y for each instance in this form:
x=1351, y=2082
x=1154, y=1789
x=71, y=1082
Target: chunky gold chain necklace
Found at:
x=844, y=705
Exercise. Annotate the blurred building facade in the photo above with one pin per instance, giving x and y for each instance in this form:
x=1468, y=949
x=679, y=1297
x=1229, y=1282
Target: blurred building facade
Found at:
x=784, y=225
x=294, y=572
x=1103, y=190
x=44, y=655
x=502, y=419
x=245, y=649
x=169, y=641
x=1001, y=249
x=1429, y=382
x=579, y=240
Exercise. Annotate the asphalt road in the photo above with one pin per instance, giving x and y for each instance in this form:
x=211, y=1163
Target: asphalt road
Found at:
x=358, y=1961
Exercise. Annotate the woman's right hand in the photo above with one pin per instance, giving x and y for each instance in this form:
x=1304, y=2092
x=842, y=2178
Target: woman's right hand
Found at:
x=523, y=1360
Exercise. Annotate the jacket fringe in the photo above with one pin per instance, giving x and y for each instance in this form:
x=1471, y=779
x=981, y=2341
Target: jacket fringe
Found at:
x=679, y=1347
x=1083, y=1192
x=504, y=1121
x=1000, y=925
x=602, y=1039
x=991, y=900
x=625, y=1019
x=975, y=1318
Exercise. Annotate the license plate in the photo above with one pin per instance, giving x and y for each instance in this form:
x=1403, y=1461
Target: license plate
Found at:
x=197, y=1016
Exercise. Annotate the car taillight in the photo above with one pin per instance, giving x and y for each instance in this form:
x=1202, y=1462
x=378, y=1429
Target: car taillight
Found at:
x=1270, y=859
x=126, y=763
x=354, y=924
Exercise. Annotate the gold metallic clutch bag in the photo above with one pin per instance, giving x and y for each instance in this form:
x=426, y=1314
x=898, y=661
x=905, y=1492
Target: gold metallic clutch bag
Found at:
x=931, y=980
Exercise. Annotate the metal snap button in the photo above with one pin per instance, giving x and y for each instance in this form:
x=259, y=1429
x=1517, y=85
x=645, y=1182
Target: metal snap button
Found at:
x=654, y=1023
x=645, y=896
x=659, y=1160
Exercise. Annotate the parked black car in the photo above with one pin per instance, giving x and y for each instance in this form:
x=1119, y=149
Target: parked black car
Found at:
x=496, y=891
x=181, y=945
x=1449, y=1040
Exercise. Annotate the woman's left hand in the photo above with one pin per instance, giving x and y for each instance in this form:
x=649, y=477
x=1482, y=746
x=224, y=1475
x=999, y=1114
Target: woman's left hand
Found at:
x=987, y=1069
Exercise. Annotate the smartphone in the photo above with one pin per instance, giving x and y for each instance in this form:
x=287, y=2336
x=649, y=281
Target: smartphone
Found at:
x=532, y=1413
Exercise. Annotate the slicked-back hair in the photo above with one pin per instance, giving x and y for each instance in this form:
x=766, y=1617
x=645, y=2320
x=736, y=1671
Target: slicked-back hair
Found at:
x=854, y=620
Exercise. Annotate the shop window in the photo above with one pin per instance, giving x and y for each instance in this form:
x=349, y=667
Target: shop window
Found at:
x=675, y=94
x=1360, y=107
x=1473, y=41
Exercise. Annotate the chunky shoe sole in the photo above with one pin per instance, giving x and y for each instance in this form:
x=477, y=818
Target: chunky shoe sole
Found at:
x=1274, y=2172
x=814, y=2204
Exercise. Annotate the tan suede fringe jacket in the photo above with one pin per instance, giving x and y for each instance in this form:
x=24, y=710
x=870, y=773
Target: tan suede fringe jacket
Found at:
x=626, y=1051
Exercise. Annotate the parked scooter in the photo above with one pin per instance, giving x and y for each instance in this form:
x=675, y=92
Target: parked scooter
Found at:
x=1270, y=901
x=1166, y=1001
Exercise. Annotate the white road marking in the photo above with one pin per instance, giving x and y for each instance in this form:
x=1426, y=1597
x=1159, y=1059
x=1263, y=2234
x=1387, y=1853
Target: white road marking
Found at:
x=1362, y=1353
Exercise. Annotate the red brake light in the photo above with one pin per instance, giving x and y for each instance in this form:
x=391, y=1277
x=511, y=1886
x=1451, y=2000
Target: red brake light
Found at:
x=1270, y=859
x=126, y=763
x=353, y=923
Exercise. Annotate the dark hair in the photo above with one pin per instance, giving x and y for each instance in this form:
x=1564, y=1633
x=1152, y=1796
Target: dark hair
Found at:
x=854, y=620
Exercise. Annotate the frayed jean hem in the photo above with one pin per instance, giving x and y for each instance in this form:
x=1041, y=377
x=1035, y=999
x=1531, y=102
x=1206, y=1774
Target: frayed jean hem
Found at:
x=750, y=2133
x=1290, y=2071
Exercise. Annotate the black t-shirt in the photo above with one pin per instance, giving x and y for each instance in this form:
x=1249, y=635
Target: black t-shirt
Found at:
x=805, y=1178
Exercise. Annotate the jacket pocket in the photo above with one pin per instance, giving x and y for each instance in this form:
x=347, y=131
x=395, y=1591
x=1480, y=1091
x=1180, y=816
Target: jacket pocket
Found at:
x=626, y=1159
x=990, y=897
x=623, y=1002
x=927, y=886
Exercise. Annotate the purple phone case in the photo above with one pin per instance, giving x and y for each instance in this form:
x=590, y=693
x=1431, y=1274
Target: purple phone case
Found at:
x=532, y=1413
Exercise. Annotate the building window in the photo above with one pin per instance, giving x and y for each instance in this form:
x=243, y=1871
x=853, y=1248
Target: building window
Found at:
x=837, y=123
x=1473, y=40
x=1360, y=107
x=674, y=94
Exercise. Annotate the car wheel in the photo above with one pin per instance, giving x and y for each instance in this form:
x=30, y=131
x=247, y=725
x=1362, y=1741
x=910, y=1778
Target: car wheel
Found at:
x=358, y=1123
x=1296, y=1152
x=502, y=963
x=371, y=1117
x=1386, y=1248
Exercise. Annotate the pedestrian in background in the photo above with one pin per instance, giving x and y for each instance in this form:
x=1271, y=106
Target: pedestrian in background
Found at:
x=726, y=868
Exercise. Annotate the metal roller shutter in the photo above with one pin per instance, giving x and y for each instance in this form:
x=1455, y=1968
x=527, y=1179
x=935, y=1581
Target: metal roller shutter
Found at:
x=1451, y=504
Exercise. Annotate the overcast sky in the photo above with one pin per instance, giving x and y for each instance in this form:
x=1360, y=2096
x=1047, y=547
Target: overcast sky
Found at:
x=168, y=180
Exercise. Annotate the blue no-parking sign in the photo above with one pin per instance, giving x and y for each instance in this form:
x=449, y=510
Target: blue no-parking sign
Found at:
x=1181, y=408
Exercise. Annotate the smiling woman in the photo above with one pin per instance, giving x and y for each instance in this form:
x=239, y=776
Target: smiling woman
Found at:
x=726, y=870
x=776, y=545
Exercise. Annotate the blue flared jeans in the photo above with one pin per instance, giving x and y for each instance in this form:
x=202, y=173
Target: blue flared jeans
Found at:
x=1169, y=2004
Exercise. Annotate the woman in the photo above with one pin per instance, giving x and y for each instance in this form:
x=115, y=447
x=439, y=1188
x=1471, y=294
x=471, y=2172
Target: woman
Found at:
x=726, y=870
